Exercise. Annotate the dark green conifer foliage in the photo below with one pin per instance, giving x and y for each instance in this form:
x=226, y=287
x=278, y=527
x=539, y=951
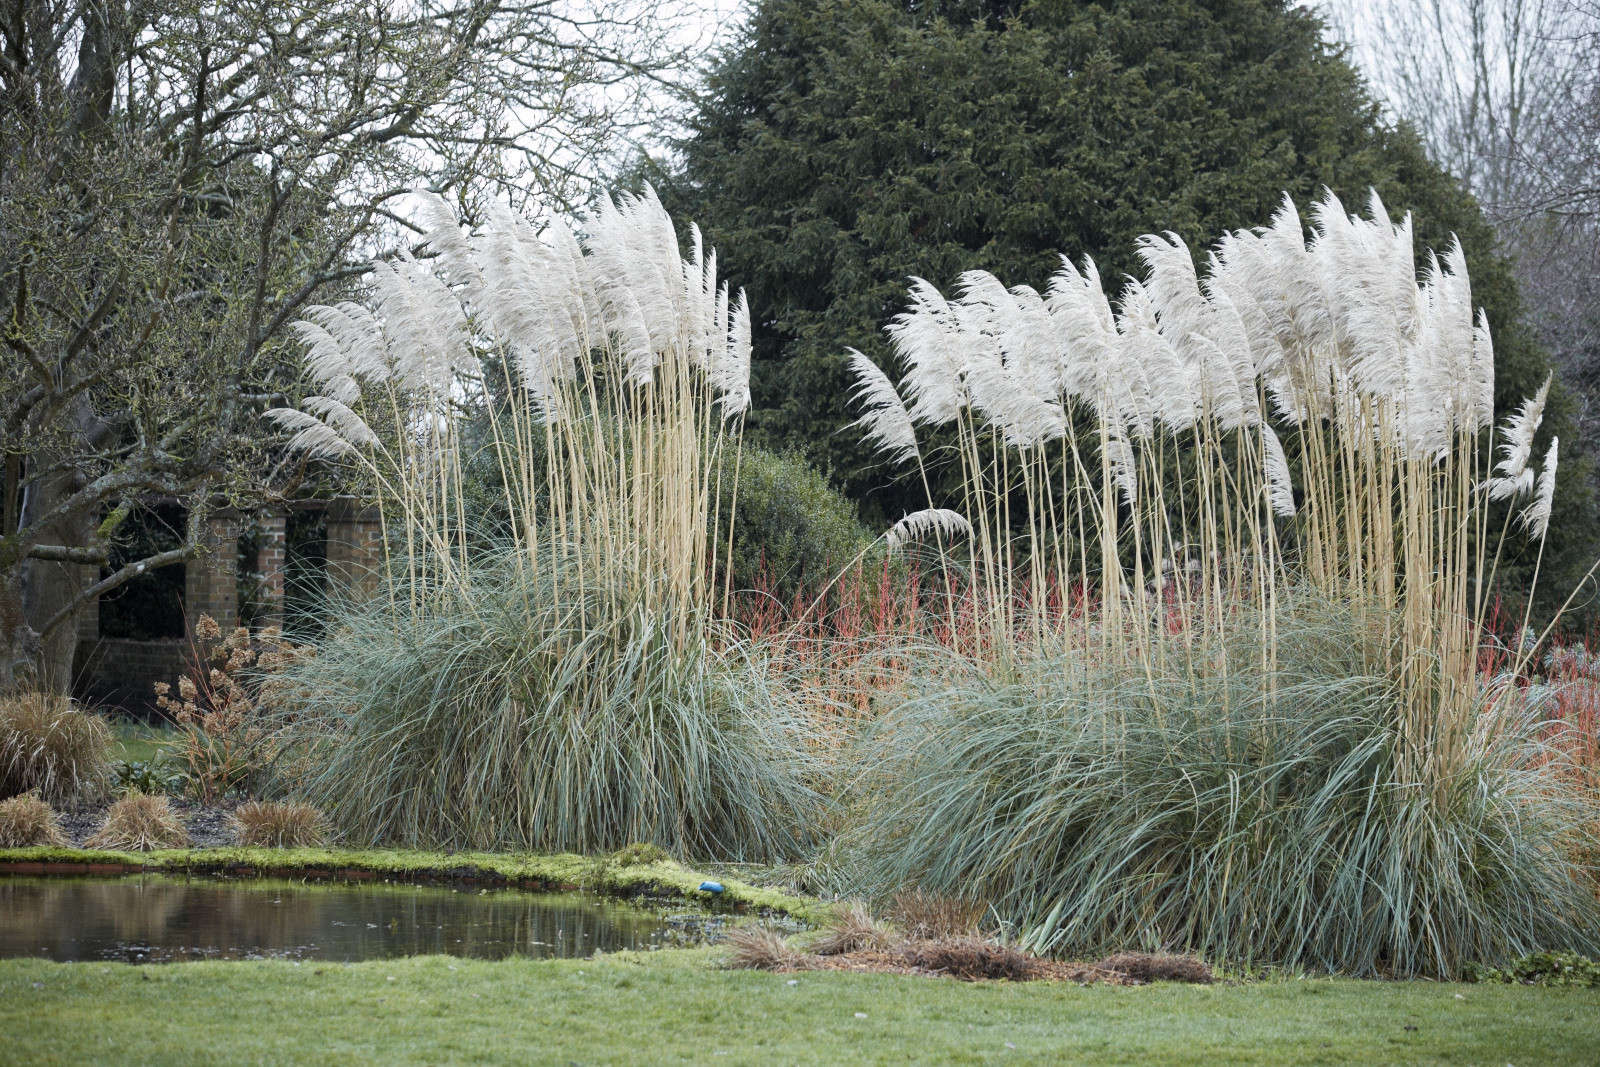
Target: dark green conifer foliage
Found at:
x=844, y=145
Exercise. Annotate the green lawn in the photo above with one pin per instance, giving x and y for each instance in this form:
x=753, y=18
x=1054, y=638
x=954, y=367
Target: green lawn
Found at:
x=140, y=742
x=674, y=1007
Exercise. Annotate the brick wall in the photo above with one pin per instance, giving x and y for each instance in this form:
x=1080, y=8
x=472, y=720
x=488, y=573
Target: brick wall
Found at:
x=115, y=672
x=211, y=579
x=270, y=564
x=355, y=550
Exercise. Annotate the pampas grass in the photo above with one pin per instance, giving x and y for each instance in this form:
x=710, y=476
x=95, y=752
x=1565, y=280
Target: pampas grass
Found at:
x=1265, y=816
x=51, y=746
x=570, y=687
x=557, y=716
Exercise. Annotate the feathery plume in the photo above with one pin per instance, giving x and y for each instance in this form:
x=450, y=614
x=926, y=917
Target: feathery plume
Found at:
x=312, y=436
x=1517, y=447
x=919, y=524
x=1535, y=518
x=1280, y=485
x=886, y=420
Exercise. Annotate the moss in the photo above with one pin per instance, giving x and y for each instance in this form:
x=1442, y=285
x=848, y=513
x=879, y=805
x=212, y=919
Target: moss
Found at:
x=664, y=877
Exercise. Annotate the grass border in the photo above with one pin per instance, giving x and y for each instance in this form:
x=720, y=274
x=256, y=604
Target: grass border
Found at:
x=559, y=872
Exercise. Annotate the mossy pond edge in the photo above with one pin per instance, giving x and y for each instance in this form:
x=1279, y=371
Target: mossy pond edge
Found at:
x=562, y=872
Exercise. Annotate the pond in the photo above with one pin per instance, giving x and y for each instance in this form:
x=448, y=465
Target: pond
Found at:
x=160, y=918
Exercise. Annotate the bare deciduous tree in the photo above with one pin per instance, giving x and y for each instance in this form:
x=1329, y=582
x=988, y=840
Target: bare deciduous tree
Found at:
x=1506, y=93
x=179, y=178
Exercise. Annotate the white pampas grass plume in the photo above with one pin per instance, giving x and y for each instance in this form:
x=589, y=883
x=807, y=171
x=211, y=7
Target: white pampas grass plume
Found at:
x=919, y=524
x=1517, y=447
x=886, y=421
x=1509, y=488
x=312, y=436
x=1535, y=517
x=1280, y=486
x=730, y=372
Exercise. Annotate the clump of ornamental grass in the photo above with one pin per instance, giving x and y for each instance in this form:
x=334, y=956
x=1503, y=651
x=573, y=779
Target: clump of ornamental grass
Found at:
x=139, y=822
x=575, y=689
x=549, y=714
x=279, y=824
x=1256, y=814
x=51, y=746
x=27, y=820
x=761, y=948
x=1298, y=412
x=853, y=929
x=1297, y=437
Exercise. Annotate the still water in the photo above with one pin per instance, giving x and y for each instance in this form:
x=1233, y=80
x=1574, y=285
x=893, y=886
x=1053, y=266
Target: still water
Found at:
x=158, y=918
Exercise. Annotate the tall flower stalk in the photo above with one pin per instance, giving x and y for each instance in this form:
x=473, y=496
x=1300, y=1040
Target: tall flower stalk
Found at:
x=611, y=373
x=1142, y=449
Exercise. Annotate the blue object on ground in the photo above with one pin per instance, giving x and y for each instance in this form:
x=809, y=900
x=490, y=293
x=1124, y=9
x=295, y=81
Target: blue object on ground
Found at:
x=711, y=887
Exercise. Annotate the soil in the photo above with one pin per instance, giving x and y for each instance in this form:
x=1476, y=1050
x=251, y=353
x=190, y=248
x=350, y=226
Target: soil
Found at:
x=209, y=826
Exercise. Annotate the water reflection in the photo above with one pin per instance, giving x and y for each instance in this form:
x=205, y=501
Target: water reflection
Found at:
x=152, y=918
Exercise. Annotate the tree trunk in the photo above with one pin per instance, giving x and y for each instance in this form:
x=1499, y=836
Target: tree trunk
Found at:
x=45, y=588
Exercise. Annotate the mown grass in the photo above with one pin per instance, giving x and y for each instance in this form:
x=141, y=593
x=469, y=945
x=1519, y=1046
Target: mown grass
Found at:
x=140, y=742
x=671, y=1007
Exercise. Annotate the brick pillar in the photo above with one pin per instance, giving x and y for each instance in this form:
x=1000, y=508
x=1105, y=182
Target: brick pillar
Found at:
x=211, y=579
x=270, y=550
x=355, y=550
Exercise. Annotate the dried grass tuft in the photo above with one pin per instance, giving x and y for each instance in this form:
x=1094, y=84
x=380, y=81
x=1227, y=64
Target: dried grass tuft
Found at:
x=971, y=958
x=854, y=930
x=27, y=820
x=761, y=948
x=279, y=824
x=140, y=822
x=1158, y=967
x=928, y=916
x=53, y=747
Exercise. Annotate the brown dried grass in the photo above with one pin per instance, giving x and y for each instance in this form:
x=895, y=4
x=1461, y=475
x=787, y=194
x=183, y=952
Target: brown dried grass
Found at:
x=853, y=929
x=279, y=824
x=930, y=917
x=51, y=746
x=971, y=958
x=761, y=948
x=138, y=823
x=1143, y=967
x=27, y=820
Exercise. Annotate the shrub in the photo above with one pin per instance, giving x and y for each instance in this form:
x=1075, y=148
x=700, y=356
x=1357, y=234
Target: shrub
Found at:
x=549, y=713
x=224, y=741
x=27, y=820
x=49, y=745
x=792, y=532
x=1258, y=814
x=278, y=824
x=1543, y=969
x=148, y=776
x=138, y=823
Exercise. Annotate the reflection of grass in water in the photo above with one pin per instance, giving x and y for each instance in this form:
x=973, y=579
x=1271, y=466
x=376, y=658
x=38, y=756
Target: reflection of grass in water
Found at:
x=83, y=918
